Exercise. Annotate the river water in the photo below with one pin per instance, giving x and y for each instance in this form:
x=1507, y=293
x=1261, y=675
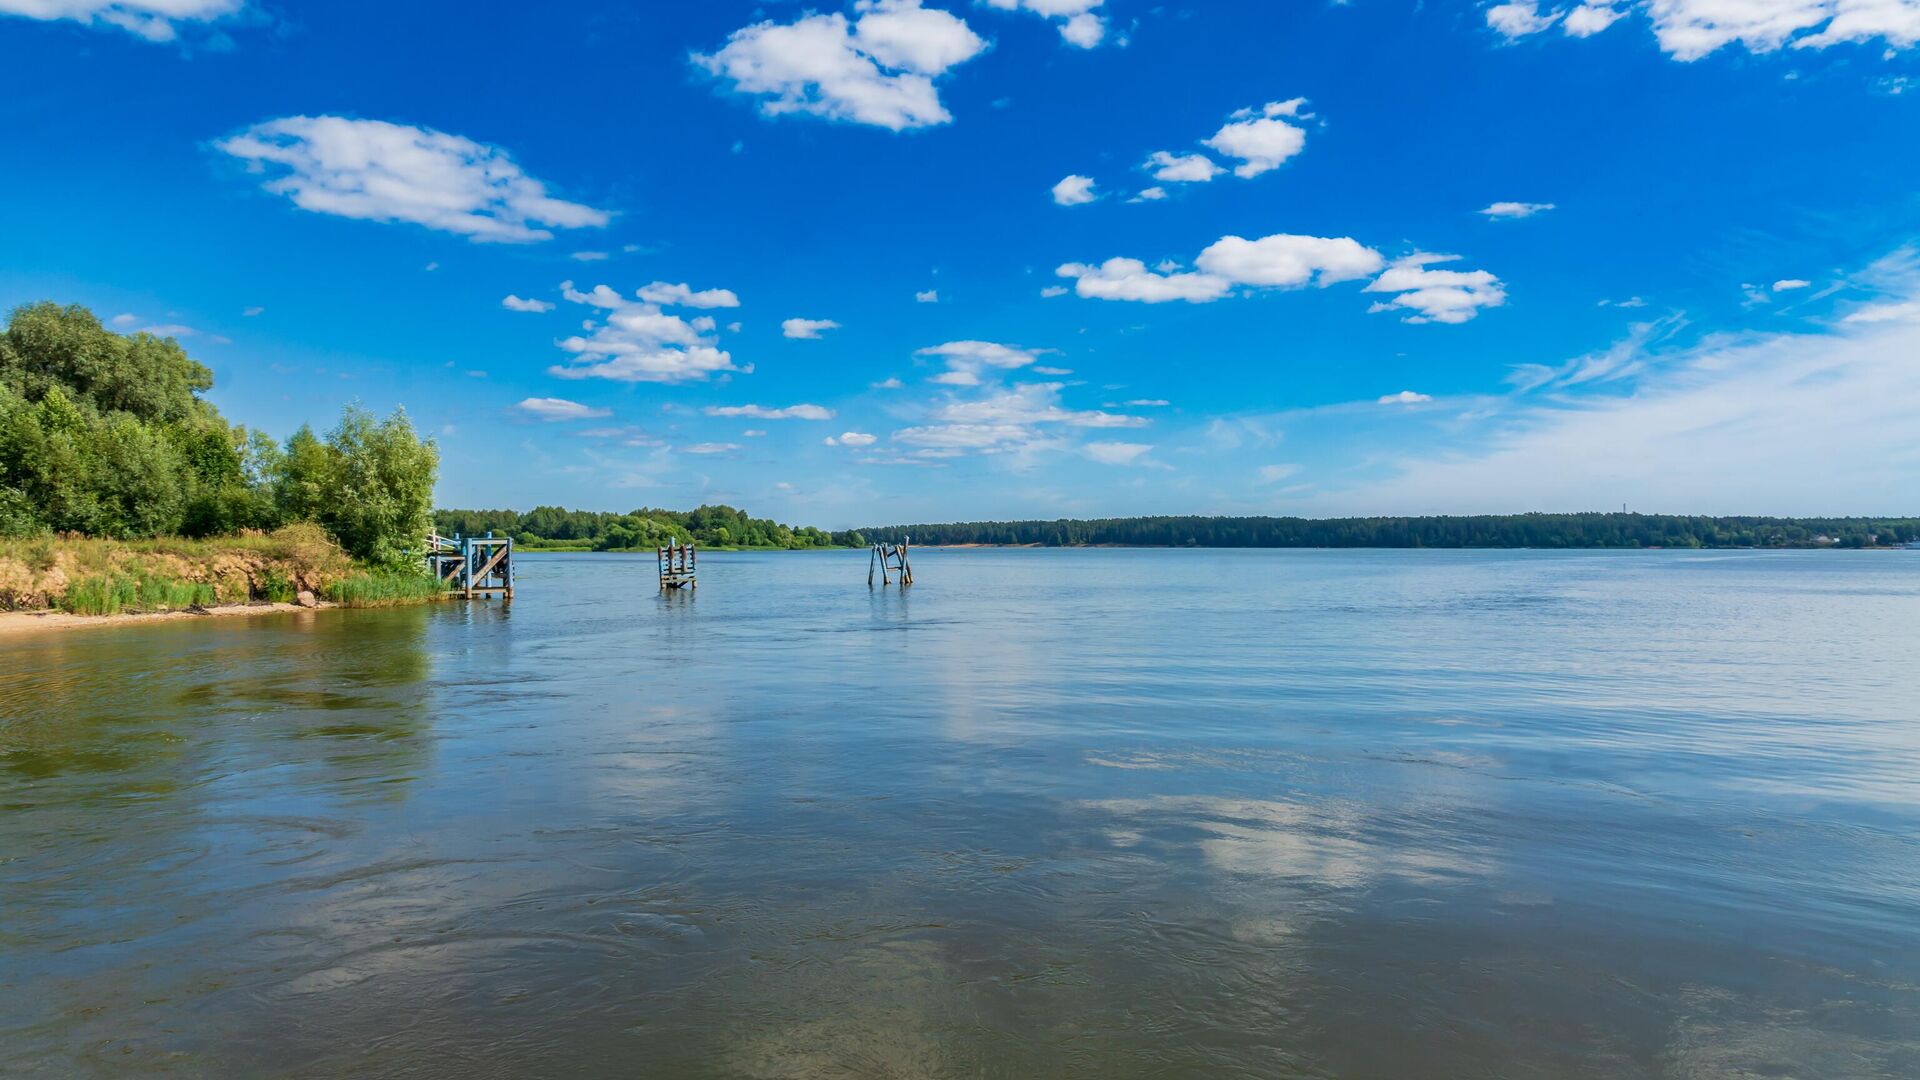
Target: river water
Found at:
x=1101, y=814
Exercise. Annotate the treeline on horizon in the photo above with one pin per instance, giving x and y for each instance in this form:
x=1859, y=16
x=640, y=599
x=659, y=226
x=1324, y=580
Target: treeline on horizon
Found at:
x=645, y=528
x=107, y=435
x=1595, y=530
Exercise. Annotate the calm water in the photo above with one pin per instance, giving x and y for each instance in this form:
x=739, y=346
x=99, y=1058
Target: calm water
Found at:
x=1101, y=814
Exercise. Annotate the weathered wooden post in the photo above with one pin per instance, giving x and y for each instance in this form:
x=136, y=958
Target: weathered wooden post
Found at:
x=891, y=557
x=678, y=565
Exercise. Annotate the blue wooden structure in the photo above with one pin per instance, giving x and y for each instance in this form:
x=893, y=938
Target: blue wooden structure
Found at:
x=677, y=565
x=891, y=558
x=472, y=566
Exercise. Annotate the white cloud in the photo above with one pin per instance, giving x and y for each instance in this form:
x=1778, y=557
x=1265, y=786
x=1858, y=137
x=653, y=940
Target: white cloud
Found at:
x=761, y=412
x=1182, y=168
x=154, y=20
x=683, y=295
x=172, y=330
x=590, y=256
x=1405, y=397
x=888, y=384
x=1152, y=194
x=1515, y=210
x=930, y=296
x=807, y=329
x=638, y=342
x=1008, y=420
x=1148, y=403
x=1074, y=191
x=1052, y=291
x=1519, y=19
x=1287, y=261
x=1590, y=18
x=514, y=303
x=1273, y=474
x=1079, y=25
x=754, y=433
x=125, y=318
x=1789, y=284
x=1907, y=311
x=877, y=69
x=376, y=171
x=968, y=360
x=1442, y=296
x=552, y=408
x=1129, y=279
x=1261, y=139
x=252, y=311
x=851, y=438
x=1754, y=426
x=1116, y=453
x=710, y=448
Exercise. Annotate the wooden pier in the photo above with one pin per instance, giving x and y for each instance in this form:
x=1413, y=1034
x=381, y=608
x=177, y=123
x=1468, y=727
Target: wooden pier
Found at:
x=471, y=566
x=677, y=565
x=893, y=562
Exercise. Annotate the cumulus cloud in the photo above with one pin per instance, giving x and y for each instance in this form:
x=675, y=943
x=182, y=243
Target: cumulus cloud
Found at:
x=1789, y=284
x=377, y=171
x=1515, y=210
x=1690, y=29
x=761, y=412
x=1079, y=26
x=637, y=341
x=1130, y=279
x=851, y=438
x=1285, y=261
x=514, y=303
x=154, y=20
x=1405, y=397
x=807, y=329
x=1261, y=139
x=1442, y=296
x=1519, y=19
x=1591, y=18
x=1182, y=168
x=1007, y=420
x=1074, y=191
x=683, y=295
x=877, y=69
x=930, y=296
x=553, y=408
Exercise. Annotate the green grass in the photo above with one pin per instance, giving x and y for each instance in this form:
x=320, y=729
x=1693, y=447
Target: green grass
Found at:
x=112, y=594
x=385, y=588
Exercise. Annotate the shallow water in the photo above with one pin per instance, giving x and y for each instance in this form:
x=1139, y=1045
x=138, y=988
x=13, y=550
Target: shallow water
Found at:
x=1101, y=814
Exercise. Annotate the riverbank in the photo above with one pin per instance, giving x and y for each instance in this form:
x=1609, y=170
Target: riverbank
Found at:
x=16, y=623
x=298, y=566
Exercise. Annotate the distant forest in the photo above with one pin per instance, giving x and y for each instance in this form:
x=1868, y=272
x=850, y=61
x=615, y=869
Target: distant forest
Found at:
x=710, y=526
x=1497, y=531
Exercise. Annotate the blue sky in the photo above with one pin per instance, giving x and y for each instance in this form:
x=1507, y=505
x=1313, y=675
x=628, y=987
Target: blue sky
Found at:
x=883, y=260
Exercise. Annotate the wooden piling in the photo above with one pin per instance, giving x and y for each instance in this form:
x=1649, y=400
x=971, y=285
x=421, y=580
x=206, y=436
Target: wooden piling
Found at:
x=891, y=558
x=678, y=565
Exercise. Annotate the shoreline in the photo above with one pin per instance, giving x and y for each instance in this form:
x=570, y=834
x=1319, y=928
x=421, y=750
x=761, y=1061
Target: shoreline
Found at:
x=22, y=623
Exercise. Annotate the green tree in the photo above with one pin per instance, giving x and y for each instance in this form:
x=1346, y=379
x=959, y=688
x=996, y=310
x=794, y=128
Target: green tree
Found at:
x=379, y=488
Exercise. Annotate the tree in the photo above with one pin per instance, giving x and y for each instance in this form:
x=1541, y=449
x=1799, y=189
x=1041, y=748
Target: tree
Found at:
x=378, y=494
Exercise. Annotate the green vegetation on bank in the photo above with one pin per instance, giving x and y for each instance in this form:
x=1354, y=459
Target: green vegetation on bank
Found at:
x=384, y=588
x=107, y=437
x=551, y=528
x=1492, y=531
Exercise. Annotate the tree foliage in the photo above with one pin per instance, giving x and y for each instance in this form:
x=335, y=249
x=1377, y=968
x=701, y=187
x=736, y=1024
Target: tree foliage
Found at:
x=107, y=434
x=716, y=526
x=1491, y=531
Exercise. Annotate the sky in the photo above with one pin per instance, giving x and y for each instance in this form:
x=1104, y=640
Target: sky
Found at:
x=886, y=261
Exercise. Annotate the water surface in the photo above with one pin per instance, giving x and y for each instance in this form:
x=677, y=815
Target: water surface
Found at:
x=1101, y=814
